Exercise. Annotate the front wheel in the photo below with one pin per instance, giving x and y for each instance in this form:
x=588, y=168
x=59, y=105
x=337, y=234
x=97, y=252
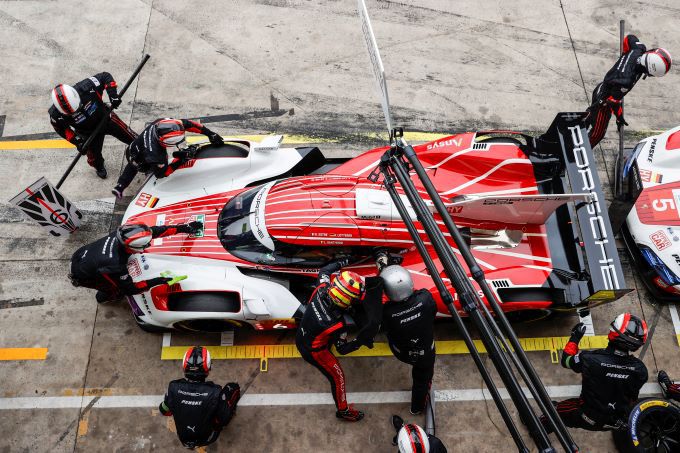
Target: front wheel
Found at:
x=654, y=427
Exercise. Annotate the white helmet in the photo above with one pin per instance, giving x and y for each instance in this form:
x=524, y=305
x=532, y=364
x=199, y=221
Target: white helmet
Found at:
x=66, y=99
x=657, y=62
x=413, y=439
x=398, y=283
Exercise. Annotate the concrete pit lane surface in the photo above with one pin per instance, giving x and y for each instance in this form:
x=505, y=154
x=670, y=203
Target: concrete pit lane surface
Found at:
x=75, y=376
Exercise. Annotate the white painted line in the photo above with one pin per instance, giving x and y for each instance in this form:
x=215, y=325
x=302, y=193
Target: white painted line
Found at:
x=167, y=338
x=588, y=321
x=284, y=399
x=674, y=316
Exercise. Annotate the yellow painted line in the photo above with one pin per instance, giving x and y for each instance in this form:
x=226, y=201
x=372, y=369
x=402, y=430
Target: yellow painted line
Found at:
x=287, y=139
x=678, y=339
x=23, y=353
x=289, y=351
x=82, y=427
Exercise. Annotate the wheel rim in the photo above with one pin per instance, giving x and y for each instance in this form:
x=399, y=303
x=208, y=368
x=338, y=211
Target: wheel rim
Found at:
x=660, y=432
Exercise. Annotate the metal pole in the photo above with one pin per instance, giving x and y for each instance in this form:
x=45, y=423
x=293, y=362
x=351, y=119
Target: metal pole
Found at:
x=103, y=122
x=622, y=26
x=469, y=300
x=448, y=301
x=528, y=372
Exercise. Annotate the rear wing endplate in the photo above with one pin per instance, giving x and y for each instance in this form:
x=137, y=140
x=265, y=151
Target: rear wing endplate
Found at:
x=606, y=275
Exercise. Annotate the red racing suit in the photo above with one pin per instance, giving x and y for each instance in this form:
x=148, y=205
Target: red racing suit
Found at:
x=618, y=81
x=92, y=111
x=321, y=326
x=102, y=265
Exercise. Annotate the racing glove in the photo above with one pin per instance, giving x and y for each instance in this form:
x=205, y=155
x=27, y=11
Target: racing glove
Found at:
x=80, y=144
x=342, y=262
x=215, y=138
x=345, y=347
x=194, y=227
x=620, y=122
x=577, y=333
x=114, y=98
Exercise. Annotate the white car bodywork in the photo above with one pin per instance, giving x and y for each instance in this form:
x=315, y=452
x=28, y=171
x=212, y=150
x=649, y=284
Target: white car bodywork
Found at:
x=261, y=299
x=659, y=202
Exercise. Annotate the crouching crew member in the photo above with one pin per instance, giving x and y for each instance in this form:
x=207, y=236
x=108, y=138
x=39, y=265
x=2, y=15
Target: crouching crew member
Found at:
x=611, y=377
x=148, y=153
x=200, y=408
x=102, y=265
x=78, y=109
x=668, y=387
x=411, y=438
x=322, y=325
x=635, y=62
x=408, y=321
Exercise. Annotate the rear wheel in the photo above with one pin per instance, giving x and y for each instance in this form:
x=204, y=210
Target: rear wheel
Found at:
x=215, y=301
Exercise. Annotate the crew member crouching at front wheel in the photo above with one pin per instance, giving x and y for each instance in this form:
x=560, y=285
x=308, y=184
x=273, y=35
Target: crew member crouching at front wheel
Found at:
x=200, y=408
x=322, y=325
x=612, y=377
x=102, y=265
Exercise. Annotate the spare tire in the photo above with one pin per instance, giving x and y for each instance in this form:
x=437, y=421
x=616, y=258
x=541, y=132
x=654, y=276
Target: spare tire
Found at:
x=654, y=426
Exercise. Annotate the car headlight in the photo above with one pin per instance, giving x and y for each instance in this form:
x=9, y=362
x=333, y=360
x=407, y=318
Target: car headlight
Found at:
x=655, y=262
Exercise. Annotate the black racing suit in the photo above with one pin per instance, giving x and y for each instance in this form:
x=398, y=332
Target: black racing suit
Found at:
x=611, y=385
x=409, y=326
x=92, y=111
x=200, y=409
x=102, y=265
x=618, y=81
x=320, y=327
x=148, y=155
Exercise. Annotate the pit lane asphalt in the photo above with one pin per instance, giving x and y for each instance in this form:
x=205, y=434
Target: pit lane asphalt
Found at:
x=450, y=66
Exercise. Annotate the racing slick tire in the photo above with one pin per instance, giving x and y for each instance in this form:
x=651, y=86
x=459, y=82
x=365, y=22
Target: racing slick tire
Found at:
x=507, y=140
x=222, y=302
x=150, y=328
x=653, y=426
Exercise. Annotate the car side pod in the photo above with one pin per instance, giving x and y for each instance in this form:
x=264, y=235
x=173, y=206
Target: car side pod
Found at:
x=394, y=167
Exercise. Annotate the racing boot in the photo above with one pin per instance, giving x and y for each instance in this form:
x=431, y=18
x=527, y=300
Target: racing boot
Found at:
x=350, y=414
x=118, y=191
x=668, y=388
x=103, y=297
x=101, y=171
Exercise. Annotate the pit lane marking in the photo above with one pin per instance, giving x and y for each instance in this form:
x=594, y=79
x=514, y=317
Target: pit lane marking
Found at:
x=288, y=139
x=7, y=354
x=285, y=399
x=450, y=347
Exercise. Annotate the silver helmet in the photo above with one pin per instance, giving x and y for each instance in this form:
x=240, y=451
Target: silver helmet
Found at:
x=398, y=283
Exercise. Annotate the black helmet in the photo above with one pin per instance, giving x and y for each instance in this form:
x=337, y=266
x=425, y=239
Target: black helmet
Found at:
x=196, y=364
x=627, y=332
x=134, y=236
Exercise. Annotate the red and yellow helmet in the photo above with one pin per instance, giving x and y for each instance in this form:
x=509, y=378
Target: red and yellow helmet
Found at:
x=346, y=288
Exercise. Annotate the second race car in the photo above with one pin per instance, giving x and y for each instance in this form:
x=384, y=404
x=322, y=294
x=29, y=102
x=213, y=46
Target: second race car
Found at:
x=273, y=216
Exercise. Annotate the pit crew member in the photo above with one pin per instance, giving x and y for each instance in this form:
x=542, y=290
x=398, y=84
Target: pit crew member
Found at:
x=635, y=62
x=148, y=152
x=323, y=324
x=102, y=265
x=412, y=438
x=78, y=109
x=611, y=377
x=200, y=408
x=408, y=321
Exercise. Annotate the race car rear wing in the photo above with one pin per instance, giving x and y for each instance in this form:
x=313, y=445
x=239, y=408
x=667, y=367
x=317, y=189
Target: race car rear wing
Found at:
x=567, y=139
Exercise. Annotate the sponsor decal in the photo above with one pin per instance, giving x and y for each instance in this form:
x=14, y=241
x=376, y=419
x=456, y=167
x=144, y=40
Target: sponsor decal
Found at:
x=651, y=176
x=46, y=205
x=652, y=148
x=133, y=268
x=198, y=218
x=450, y=142
x=146, y=200
x=660, y=240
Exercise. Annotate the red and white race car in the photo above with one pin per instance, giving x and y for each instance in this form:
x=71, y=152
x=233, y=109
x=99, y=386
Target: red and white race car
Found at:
x=274, y=215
